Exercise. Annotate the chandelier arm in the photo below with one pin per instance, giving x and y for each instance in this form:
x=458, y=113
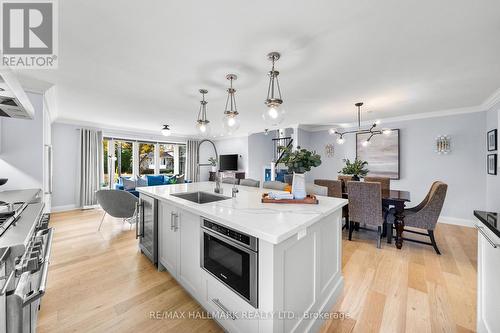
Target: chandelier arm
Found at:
x=278, y=86
x=269, y=87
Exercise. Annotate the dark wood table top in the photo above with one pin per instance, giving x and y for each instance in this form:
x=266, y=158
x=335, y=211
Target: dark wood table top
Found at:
x=392, y=195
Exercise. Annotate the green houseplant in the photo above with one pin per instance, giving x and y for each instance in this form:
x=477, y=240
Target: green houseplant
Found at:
x=300, y=160
x=356, y=168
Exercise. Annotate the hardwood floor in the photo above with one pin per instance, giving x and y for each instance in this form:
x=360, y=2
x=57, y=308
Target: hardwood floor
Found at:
x=99, y=282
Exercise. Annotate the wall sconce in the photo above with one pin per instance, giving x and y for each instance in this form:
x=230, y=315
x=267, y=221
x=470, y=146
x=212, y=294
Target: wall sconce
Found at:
x=443, y=144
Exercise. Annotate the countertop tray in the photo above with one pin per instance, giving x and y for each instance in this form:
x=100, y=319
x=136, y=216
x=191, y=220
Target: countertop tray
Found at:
x=310, y=199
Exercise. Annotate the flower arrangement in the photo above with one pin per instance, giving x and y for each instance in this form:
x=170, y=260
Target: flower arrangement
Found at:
x=356, y=168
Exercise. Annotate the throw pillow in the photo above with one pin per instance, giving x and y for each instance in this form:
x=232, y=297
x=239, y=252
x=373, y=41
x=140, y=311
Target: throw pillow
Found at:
x=141, y=182
x=166, y=179
x=155, y=180
x=129, y=184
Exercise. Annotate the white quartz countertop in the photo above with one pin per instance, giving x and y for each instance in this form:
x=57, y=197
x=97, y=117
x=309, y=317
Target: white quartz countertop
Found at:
x=267, y=221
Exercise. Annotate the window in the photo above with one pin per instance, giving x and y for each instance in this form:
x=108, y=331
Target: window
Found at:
x=146, y=158
x=167, y=155
x=123, y=162
x=105, y=143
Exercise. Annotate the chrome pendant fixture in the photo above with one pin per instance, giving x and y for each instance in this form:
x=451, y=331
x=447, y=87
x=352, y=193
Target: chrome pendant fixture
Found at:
x=165, y=131
x=203, y=124
x=371, y=132
x=231, y=121
x=274, y=114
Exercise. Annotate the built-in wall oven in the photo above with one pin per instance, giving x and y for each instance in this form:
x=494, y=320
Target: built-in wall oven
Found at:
x=232, y=258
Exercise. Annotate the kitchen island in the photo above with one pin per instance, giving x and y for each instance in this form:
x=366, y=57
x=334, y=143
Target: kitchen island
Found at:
x=295, y=275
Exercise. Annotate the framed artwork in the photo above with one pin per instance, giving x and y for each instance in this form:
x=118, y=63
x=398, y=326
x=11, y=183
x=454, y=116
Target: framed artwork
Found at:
x=382, y=154
x=492, y=164
x=492, y=140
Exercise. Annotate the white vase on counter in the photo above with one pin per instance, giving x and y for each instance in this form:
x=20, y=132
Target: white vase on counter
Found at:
x=214, y=168
x=299, y=186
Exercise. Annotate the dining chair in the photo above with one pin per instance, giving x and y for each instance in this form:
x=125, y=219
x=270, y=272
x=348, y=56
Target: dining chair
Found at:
x=385, y=182
x=250, y=182
x=334, y=186
x=344, y=180
x=365, y=206
x=117, y=203
x=230, y=180
x=316, y=189
x=424, y=216
x=274, y=185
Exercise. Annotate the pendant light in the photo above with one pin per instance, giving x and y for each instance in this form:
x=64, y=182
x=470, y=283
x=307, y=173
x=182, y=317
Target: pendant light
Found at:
x=202, y=124
x=231, y=121
x=165, y=131
x=274, y=114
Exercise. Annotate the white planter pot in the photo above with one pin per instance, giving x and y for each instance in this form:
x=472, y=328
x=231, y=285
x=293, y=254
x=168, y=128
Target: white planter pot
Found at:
x=214, y=169
x=299, y=186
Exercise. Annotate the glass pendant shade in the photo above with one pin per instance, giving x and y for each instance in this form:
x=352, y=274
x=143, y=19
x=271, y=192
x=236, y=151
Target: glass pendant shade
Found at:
x=340, y=140
x=273, y=115
x=231, y=123
x=203, y=128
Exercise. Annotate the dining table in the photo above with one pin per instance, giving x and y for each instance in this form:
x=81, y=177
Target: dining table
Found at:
x=397, y=199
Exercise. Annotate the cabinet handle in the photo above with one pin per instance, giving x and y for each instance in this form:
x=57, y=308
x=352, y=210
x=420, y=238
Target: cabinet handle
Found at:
x=223, y=308
x=480, y=229
x=176, y=221
x=172, y=220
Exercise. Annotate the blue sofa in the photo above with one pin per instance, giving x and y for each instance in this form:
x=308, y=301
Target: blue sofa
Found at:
x=128, y=184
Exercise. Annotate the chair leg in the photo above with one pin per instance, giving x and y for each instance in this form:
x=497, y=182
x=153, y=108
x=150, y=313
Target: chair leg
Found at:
x=102, y=220
x=433, y=241
x=351, y=228
x=389, y=233
x=379, y=236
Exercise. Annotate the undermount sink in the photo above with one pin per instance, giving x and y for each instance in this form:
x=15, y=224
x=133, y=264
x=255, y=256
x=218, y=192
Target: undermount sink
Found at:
x=200, y=197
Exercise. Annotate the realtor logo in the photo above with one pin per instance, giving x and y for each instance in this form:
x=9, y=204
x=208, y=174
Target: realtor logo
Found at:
x=29, y=34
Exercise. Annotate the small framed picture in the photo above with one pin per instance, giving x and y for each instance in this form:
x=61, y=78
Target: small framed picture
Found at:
x=492, y=140
x=492, y=164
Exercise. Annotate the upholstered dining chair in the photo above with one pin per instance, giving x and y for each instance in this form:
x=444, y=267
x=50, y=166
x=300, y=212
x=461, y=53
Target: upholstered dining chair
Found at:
x=344, y=180
x=274, y=185
x=385, y=182
x=117, y=203
x=230, y=180
x=250, y=182
x=365, y=206
x=425, y=215
x=316, y=189
x=334, y=186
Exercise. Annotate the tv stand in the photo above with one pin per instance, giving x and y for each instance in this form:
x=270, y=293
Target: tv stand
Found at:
x=235, y=174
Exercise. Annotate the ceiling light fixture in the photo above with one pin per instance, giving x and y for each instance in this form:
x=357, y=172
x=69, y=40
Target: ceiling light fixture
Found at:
x=231, y=120
x=202, y=123
x=165, y=131
x=274, y=114
x=371, y=131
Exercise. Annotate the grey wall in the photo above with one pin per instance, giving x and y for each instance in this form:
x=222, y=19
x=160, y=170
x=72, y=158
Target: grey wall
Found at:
x=463, y=169
x=260, y=155
x=21, y=151
x=492, y=181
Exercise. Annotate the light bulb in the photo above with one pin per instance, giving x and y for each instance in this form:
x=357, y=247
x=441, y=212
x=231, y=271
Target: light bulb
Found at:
x=203, y=128
x=273, y=115
x=231, y=123
x=166, y=132
x=386, y=131
x=340, y=140
x=332, y=131
x=365, y=143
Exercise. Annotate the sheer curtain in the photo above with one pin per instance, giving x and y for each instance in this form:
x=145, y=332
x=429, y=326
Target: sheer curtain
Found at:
x=90, y=165
x=191, y=160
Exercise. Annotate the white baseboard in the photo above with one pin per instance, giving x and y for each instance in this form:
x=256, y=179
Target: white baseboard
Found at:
x=63, y=208
x=456, y=221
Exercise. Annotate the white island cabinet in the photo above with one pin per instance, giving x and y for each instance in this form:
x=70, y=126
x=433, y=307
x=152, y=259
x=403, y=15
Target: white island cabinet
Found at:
x=298, y=253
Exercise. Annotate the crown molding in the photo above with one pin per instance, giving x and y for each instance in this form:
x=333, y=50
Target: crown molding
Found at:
x=493, y=100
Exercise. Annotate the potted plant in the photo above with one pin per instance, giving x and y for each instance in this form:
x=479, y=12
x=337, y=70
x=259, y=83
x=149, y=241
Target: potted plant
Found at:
x=213, y=163
x=299, y=162
x=356, y=168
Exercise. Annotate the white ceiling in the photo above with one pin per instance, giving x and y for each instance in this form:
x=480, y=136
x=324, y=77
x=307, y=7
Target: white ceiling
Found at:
x=137, y=65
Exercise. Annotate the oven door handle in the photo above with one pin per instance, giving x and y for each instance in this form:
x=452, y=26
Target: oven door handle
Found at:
x=44, y=272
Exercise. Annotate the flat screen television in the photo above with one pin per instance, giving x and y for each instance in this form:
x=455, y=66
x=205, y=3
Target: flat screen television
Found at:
x=228, y=162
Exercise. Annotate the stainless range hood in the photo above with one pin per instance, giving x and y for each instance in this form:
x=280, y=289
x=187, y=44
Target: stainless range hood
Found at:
x=14, y=102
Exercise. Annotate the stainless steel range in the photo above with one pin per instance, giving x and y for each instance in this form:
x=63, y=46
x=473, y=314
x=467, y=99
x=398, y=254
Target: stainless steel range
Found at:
x=25, y=243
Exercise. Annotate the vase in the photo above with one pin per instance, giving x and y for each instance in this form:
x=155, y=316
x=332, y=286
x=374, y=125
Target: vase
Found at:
x=288, y=178
x=299, y=186
x=355, y=178
x=214, y=168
